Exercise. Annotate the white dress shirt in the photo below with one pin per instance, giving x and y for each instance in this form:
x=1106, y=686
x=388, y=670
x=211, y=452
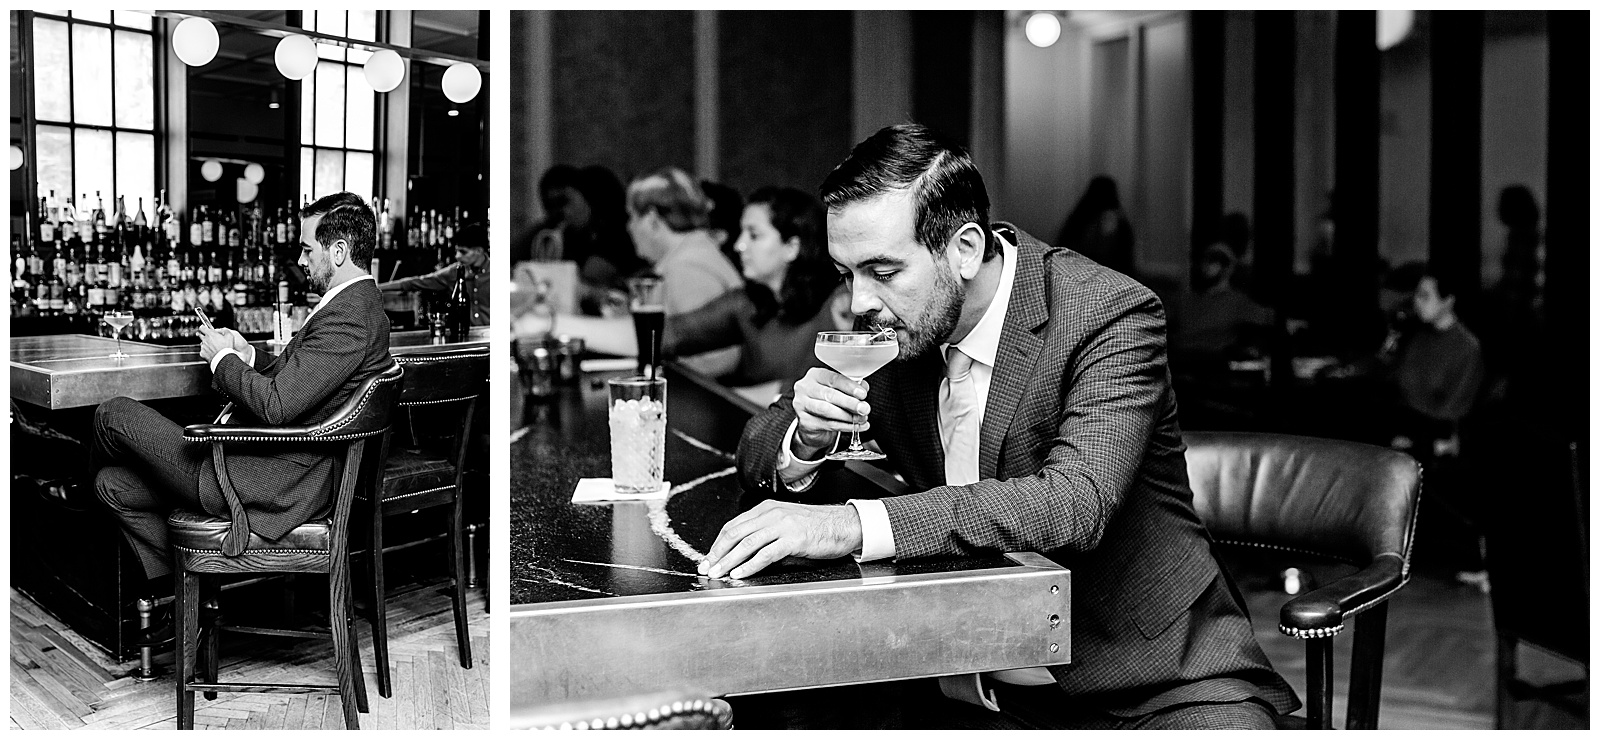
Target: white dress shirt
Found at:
x=250, y=358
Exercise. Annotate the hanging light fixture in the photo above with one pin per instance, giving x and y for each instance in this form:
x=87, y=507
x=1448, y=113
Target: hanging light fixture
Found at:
x=385, y=70
x=461, y=82
x=245, y=191
x=195, y=41
x=1393, y=27
x=211, y=170
x=255, y=173
x=16, y=157
x=296, y=56
x=452, y=113
x=1043, y=28
x=272, y=102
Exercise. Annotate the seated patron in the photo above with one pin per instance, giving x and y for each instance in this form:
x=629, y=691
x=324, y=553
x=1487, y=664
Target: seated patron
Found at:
x=1219, y=320
x=1437, y=372
x=146, y=469
x=789, y=295
x=1062, y=363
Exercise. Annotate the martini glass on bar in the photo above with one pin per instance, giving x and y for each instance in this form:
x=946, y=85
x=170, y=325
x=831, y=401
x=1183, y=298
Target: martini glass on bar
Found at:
x=118, y=320
x=855, y=355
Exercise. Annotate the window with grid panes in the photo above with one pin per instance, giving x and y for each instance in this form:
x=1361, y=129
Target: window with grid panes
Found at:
x=337, y=109
x=94, y=107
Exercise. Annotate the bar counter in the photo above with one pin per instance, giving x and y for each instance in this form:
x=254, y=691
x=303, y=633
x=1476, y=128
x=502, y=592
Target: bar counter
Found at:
x=607, y=604
x=73, y=370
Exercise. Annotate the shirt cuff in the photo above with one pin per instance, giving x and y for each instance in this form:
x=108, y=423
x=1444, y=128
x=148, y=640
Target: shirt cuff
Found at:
x=877, y=538
x=797, y=475
x=216, y=359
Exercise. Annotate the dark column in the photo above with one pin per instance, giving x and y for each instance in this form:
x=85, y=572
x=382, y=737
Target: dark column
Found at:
x=1455, y=205
x=1206, y=44
x=1355, y=165
x=941, y=53
x=1274, y=169
x=1567, y=215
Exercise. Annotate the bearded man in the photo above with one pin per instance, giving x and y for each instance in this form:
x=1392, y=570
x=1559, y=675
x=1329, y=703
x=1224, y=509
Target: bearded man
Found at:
x=146, y=469
x=1030, y=409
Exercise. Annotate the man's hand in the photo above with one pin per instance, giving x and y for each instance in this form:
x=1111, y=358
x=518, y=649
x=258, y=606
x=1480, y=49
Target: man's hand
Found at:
x=213, y=341
x=774, y=530
x=825, y=404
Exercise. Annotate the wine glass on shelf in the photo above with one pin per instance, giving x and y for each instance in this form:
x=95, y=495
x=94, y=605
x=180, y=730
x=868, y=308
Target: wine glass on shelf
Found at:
x=117, y=319
x=855, y=355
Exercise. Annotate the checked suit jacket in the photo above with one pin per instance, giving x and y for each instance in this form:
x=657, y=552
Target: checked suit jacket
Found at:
x=1079, y=459
x=338, y=348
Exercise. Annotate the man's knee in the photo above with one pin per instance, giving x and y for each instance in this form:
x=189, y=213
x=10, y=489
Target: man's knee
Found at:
x=109, y=412
x=120, y=488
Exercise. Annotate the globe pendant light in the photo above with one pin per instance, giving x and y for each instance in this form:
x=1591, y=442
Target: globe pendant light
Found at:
x=461, y=82
x=296, y=56
x=195, y=41
x=385, y=70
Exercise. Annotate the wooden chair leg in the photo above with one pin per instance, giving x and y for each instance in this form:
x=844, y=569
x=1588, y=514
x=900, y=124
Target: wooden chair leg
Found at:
x=1366, y=669
x=185, y=618
x=355, y=648
x=211, y=640
x=1319, y=683
x=459, y=573
x=338, y=609
x=380, y=605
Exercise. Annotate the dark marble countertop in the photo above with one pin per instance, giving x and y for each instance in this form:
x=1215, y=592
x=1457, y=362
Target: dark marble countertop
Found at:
x=562, y=551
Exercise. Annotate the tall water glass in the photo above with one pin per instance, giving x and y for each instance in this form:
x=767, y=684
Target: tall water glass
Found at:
x=638, y=419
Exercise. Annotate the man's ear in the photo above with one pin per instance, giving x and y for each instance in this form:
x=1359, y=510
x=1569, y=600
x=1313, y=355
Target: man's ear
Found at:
x=968, y=243
x=339, y=252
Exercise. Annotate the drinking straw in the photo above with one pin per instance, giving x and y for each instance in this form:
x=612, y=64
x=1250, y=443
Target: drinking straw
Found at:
x=650, y=369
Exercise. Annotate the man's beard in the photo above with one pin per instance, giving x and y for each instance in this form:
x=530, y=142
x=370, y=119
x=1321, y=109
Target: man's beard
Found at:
x=934, y=326
x=319, y=281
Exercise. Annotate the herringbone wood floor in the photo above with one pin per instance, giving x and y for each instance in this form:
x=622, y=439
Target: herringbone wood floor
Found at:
x=60, y=682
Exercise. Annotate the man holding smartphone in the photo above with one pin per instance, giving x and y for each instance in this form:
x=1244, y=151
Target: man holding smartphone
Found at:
x=146, y=469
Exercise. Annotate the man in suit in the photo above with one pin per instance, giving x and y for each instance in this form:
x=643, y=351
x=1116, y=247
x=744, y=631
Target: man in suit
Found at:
x=146, y=467
x=1031, y=409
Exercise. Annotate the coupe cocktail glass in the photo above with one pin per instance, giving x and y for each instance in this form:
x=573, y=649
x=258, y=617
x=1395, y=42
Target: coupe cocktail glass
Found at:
x=855, y=355
x=118, y=320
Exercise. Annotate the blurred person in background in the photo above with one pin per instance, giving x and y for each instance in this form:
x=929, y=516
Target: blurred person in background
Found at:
x=1219, y=321
x=791, y=292
x=1436, y=373
x=1098, y=229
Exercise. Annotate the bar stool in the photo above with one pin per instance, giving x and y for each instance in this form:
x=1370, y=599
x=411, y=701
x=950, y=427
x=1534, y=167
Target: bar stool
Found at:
x=205, y=546
x=448, y=383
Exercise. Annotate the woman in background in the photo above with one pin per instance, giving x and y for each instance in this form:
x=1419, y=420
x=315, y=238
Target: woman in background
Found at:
x=790, y=292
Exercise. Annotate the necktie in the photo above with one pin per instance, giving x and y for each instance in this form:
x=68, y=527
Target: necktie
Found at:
x=958, y=412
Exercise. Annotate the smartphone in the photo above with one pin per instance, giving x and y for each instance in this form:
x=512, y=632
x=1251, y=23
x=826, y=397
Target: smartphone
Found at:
x=203, y=318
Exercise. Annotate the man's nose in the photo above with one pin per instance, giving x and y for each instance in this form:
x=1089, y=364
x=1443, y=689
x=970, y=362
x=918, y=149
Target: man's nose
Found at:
x=863, y=300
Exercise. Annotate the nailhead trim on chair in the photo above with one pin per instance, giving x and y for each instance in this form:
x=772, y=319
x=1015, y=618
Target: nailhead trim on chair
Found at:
x=1300, y=634
x=362, y=404
x=1284, y=548
x=409, y=404
x=420, y=493
x=643, y=718
x=427, y=358
x=253, y=552
x=323, y=435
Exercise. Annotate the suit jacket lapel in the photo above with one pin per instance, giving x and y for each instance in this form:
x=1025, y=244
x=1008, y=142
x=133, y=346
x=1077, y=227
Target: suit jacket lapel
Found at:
x=1018, y=353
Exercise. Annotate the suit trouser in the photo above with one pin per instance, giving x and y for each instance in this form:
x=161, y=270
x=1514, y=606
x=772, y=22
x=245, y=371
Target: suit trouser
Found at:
x=146, y=470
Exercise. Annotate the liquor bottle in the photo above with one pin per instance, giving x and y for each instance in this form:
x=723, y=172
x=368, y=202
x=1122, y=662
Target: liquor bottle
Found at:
x=99, y=219
x=292, y=234
x=280, y=228
x=21, y=281
x=196, y=228
x=47, y=223
x=58, y=295
x=208, y=228
x=141, y=227
x=86, y=223
x=141, y=282
x=231, y=224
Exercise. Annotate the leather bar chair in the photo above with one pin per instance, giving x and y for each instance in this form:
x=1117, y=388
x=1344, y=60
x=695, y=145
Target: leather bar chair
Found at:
x=1342, y=501
x=445, y=386
x=205, y=546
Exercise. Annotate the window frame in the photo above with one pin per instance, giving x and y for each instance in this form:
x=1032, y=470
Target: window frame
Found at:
x=31, y=120
x=308, y=116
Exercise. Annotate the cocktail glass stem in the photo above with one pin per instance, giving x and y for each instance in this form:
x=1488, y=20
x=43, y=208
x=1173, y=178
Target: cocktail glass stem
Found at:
x=855, y=429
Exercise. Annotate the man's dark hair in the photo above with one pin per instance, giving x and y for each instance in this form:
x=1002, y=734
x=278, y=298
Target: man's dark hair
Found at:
x=945, y=185
x=345, y=216
x=475, y=234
